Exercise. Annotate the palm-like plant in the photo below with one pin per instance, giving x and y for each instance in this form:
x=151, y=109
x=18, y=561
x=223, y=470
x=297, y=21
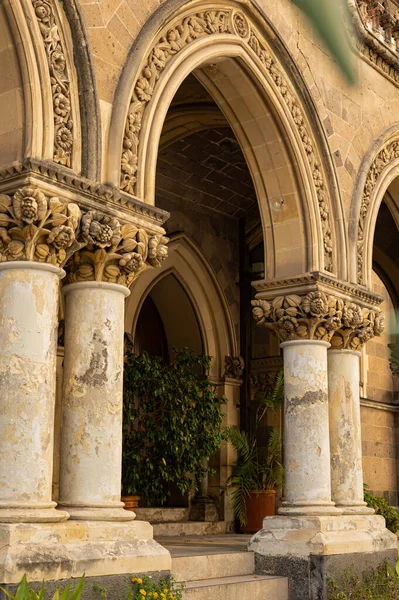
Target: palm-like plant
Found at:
x=252, y=471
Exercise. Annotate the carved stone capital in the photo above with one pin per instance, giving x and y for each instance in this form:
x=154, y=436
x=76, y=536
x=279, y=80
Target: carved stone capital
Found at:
x=319, y=316
x=35, y=226
x=234, y=367
x=92, y=245
x=113, y=252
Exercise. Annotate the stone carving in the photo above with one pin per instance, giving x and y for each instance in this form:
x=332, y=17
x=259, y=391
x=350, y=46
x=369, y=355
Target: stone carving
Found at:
x=234, y=367
x=112, y=252
x=37, y=228
x=59, y=79
x=128, y=343
x=383, y=158
x=192, y=27
x=318, y=316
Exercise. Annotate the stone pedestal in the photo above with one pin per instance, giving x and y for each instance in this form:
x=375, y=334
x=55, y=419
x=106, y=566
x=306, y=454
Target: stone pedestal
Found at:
x=345, y=432
x=91, y=445
x=306, y=432
x=28, y=345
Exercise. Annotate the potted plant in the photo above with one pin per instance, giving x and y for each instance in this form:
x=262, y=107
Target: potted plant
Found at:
x=256, y=474
x=171, y=423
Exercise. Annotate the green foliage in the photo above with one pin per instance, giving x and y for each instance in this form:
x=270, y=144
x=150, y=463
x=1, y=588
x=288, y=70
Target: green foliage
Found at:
x=146, y=589
x=379, y=584
x=25, y=593
x=382, y=507
x=329, y=18
x=171, y=423
x=252, y=471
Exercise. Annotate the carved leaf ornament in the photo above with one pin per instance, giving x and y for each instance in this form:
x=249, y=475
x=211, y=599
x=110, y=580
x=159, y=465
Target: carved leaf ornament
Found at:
x=318, y=316
x=37, y=228
x=59, y=79
x=212, y=23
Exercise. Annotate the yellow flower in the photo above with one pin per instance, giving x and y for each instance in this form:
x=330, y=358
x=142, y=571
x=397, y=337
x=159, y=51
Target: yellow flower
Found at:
x=165, y=591
x=134, y=579
x=139, y=580
x=143, y=592
x=155, y=595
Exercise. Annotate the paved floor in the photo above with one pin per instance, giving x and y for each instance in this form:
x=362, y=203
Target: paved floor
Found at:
x=205, y=544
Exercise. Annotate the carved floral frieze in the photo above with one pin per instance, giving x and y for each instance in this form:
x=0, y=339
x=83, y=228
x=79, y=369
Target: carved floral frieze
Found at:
x=170, y=43
x=318, y=316
x=234, y=367
x=92, y=245
x=59, y=79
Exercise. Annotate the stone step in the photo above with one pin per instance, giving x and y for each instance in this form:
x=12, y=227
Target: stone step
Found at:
x=189, y=528
x=162, y=515
x=244, y=587
x=212, y=566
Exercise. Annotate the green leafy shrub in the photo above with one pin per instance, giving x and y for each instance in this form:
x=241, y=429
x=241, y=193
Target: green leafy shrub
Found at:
x=147, y=589
x=379, y=584
x=25, y=593
x=171, y=423
x=382, y=507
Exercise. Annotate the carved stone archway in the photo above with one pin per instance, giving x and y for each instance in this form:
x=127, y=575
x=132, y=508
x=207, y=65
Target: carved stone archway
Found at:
x=222, y=43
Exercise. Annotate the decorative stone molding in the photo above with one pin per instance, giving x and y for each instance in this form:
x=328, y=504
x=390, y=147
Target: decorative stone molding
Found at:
x=113, y=252
x=318, y=316
x=386, y=155
x=171, y=42
x=36, y=227
x=234, y=367
x=86, y=190
x=378, y=28
x=313, y=282
x=59, y=79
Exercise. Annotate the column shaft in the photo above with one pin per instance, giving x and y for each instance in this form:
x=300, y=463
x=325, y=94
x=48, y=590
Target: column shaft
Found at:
x=345, y=432
x=91, y=445
x=306, y=431
x=28, y=345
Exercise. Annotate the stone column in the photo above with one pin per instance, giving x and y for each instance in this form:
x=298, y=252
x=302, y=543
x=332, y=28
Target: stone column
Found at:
x=306, y=432
x=98, y=283
x=37, y=234
x=91, y=443
x=28, y=346
x=345, y=431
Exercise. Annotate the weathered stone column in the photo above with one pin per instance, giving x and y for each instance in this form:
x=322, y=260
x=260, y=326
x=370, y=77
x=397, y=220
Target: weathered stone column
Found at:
x=310, y=535
x=36, y=234
x=306, y=432
x=358, y=326
x=91, y=444
x=28, y=326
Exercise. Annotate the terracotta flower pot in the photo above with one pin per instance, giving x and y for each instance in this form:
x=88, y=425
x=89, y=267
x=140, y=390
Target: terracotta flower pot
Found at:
x=260, y=504
x=131, y=502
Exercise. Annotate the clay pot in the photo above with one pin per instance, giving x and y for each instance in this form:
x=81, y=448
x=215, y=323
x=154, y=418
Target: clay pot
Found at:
x=260, y=504
x=131, y=502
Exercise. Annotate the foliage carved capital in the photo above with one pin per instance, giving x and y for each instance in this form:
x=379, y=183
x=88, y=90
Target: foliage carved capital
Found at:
x=91, y=245
x=234, y=367
x=319, y=316
x=113, y=252
x=36, y=227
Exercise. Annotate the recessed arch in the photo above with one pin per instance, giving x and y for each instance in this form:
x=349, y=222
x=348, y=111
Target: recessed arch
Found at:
x=228, y=39
x=379, y=170
x=196, y=277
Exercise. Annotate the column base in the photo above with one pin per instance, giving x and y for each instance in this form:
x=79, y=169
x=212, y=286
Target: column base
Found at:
x=45, y=513
x=311, y=550
x=96, y=513
x=330, y=509
x=356, y=509
x=67, y=550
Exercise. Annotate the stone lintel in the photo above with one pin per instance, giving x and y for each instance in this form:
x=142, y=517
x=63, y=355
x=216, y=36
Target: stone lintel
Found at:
x=67, y=550
x=317, y=282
